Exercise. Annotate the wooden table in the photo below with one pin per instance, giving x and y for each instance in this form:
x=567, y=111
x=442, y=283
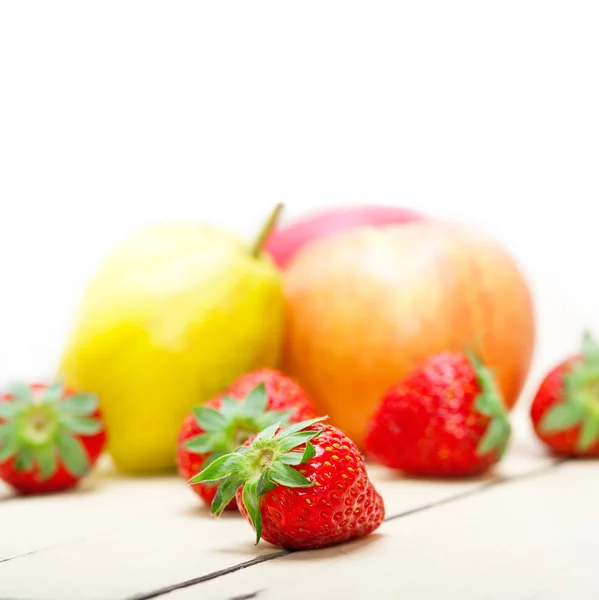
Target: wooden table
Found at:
x=528, y=531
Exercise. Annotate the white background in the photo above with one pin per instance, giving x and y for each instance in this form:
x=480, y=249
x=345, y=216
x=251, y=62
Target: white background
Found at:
x=117, y=114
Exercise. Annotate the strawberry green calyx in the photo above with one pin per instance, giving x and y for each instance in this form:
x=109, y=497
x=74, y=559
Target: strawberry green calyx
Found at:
x=41, y=428
x=489, y=403
x=236, y=421
x=260, y=467
x=580, y=404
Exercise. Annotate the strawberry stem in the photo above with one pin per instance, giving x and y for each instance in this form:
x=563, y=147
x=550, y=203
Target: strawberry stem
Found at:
x=267, y=462
x=489, y=403
x=38, y=428
x=236, y=421
x=580, y=404
x=38, y=425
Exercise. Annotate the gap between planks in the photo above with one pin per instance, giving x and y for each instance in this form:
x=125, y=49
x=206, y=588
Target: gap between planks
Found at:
x=281, y=553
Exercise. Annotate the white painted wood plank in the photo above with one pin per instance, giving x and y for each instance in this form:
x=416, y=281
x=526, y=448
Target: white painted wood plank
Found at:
x=103, y=502
x=148, y=533
x=531, y=538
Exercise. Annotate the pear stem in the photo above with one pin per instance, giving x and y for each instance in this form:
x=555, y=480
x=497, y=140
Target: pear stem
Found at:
x=267, y=230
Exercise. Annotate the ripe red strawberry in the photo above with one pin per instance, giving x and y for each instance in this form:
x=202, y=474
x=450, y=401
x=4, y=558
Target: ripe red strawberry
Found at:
x=284, y=393
x=565, y=410
x=50, y=437
x=301, y=487
x=446, y=418
x=252, y=402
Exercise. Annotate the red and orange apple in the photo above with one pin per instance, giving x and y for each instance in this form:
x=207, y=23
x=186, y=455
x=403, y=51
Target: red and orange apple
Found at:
x=366, y=305
x=285, y=242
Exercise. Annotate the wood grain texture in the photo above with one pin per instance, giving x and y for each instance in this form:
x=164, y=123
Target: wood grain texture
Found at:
x=118, y=537
x=529, y=538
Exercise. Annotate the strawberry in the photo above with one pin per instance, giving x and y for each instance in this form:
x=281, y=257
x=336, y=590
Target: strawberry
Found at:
x=565, y=409
x=284, y=393
x=252, y=402
x=50, y=437
x=304, y=486
x=446, y=418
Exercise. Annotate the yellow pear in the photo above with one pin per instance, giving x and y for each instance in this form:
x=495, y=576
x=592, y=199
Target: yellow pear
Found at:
x=176, y=313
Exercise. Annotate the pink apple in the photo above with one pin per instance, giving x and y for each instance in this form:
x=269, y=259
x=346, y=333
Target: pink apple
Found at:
x=285, y=242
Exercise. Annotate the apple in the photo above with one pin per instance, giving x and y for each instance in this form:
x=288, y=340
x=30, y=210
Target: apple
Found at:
x=284, y=243
x=365, y=306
